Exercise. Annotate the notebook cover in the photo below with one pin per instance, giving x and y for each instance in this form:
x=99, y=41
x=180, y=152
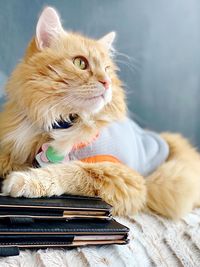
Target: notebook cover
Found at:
x=66, y=206
x=78, y=227
x=14, y=237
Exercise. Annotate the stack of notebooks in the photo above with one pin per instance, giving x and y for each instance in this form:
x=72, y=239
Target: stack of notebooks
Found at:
x=65, y=221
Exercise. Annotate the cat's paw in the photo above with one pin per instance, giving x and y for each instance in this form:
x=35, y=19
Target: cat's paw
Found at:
x=30, y=184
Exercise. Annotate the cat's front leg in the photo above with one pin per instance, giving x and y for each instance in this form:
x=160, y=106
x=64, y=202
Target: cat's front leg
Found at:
x=117, y=184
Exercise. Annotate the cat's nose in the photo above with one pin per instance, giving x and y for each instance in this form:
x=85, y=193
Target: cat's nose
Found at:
x=105, y=82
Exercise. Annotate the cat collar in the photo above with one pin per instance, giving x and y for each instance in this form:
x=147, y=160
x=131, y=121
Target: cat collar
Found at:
x=65, y=124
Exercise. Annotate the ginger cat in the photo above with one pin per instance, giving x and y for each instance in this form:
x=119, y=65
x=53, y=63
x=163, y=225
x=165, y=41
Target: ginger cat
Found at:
x=64, y=93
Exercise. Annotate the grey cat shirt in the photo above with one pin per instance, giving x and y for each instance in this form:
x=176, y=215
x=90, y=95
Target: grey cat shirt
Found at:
x=125, y=142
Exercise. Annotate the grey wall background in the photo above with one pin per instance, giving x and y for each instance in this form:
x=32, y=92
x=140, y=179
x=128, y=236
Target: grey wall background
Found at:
x=161, y=39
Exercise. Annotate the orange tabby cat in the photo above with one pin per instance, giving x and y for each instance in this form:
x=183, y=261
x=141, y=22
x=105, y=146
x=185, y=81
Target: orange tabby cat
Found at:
x=62, y=74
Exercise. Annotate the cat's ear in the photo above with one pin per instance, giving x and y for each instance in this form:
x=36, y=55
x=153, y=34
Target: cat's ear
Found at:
x=48, y=28
x=108, y=39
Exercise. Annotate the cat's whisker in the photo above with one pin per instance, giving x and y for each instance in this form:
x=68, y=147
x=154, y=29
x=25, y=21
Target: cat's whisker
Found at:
x=131, y=62
x=127, y=62
x=130, y=66
x=131, y=59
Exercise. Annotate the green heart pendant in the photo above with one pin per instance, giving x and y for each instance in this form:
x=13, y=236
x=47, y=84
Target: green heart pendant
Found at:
x=53, y=156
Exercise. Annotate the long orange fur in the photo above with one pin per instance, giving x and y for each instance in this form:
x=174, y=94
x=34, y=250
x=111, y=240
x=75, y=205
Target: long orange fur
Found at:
x=37, y=95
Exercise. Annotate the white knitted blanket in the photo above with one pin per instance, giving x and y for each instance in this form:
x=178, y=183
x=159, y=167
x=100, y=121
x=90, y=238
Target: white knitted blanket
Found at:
x=154, y=241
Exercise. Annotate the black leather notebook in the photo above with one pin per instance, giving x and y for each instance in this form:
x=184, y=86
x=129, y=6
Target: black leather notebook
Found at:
x=64, y=221
x=43, y=234
x=64, y=207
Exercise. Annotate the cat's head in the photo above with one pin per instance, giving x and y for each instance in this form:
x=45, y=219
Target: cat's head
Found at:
x=66, y=73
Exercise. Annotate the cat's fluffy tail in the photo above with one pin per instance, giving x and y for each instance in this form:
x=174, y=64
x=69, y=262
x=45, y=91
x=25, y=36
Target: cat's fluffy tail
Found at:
x=174, y=188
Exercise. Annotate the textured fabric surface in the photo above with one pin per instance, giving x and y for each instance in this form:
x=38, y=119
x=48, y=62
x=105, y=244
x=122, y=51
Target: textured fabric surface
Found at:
x=154, y=241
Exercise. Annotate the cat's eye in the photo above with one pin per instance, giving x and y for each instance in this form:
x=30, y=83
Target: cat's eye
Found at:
x=81, y=62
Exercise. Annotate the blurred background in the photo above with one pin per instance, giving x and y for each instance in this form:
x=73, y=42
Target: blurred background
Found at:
x=158, y=44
